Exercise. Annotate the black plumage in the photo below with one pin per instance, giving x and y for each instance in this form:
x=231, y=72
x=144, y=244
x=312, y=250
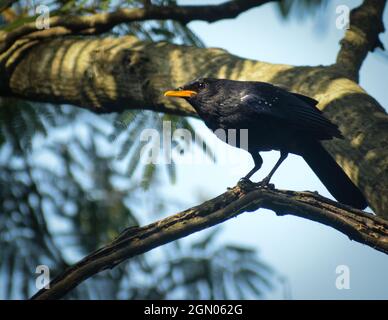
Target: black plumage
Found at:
x=276, y=119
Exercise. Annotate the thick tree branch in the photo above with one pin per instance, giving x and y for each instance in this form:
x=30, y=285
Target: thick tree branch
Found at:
x=357, y=225
x=102, y=22
x=366, y=23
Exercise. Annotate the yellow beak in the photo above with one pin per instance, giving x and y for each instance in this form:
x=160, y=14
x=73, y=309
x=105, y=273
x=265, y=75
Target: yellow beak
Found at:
x=180, y=93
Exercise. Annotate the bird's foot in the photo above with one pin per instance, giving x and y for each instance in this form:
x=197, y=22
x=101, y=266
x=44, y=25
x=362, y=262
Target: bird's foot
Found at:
x=245, y=183
x=265, y=184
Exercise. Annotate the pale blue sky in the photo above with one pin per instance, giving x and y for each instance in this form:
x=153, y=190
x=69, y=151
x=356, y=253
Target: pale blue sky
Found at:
x=307, y=253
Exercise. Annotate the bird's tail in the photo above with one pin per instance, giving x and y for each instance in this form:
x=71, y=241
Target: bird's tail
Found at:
x=332, y=176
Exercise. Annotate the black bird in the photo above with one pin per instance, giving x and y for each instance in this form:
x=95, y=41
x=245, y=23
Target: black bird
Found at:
x=276, y=119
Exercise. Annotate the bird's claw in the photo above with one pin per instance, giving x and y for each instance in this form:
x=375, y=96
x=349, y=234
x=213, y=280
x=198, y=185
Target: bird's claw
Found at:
x=268, y=185
x=244, y=180
x=265, y=184
x=245, y=183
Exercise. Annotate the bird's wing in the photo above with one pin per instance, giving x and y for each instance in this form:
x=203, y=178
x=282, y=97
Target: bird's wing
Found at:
x=308, y=100
x=294, y=108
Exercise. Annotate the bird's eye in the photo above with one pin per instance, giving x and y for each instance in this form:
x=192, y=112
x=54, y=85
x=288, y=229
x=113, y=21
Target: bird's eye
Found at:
x=201, y=85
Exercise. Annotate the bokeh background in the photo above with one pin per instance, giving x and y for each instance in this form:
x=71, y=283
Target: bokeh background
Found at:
x=70, y=180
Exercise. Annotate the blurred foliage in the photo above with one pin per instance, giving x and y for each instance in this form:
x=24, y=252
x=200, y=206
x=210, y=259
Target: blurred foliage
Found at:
x=299, y=8
x=127, y=129
x=70, y=181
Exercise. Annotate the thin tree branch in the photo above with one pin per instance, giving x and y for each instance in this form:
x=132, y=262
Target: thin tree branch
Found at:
x=357, y=225
x=102, y=22
x=366, y=23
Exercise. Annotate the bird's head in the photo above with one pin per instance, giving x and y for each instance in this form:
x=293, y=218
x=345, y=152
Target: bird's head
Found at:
x=207, y=95
x=194, y=90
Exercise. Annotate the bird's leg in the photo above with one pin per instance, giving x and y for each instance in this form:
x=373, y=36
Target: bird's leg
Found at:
x=265, y=181
x=258, y=160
